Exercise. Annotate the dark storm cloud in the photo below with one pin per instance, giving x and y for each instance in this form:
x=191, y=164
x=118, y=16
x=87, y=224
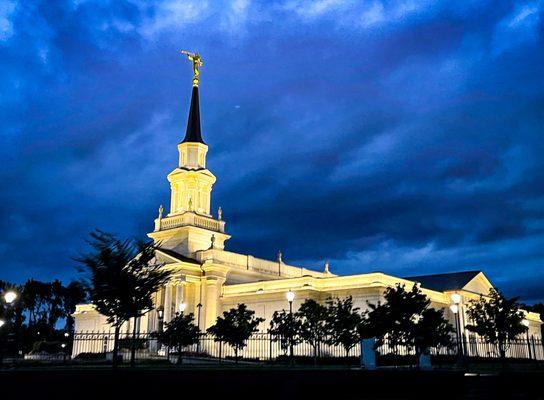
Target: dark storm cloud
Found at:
x=396, y=136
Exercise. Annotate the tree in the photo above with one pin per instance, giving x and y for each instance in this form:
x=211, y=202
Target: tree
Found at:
x=432, y=330
x=407, y=319
x=313, y=319
x=36, y=297
x=235, y=327
x=180, y=332
x=343, y=323
x=42, y=305
x=72, y=295
x=497, y=319
x=123, y=279
x=285, y=327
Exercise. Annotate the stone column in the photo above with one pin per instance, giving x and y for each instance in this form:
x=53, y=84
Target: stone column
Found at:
x=201, y=299
x=167, y=303
x=179, y=296
x=213, y=291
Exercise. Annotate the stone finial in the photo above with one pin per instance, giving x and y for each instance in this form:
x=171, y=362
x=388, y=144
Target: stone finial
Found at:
x=327, y=267
x=219, y=213
x=161, y=210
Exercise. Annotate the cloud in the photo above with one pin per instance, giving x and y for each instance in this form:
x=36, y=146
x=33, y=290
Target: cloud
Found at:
x=7, y=9
x=400, y=136
x=521, y=26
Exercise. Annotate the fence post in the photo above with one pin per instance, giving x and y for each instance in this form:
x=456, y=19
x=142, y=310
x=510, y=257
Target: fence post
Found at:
x=270, y=346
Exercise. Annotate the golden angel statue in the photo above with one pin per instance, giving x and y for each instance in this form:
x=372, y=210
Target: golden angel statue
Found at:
x=197, y=62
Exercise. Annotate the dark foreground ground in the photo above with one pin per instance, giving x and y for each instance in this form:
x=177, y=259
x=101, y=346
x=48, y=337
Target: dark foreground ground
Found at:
x=244, y=383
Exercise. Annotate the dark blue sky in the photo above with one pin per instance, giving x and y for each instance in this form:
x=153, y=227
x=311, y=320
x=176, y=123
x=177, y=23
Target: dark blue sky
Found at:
x=405, y=137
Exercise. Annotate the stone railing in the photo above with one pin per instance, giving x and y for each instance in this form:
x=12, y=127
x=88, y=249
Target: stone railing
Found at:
x=189, y=219
x=251, y=263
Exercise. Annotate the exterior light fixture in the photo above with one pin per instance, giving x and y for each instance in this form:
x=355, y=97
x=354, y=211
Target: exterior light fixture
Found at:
x=416, y=318
x=10, y=296
x=525, y=323
x=456, y=298
x=160, y=312
x=2, y=322
x=182, y=307
x=66, y=334
x=290, y=296
x=455, y=309
x=63, y=345
x=260, y=291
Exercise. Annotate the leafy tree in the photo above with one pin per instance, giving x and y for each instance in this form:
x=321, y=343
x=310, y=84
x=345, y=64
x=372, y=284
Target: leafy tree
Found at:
x=235, y=327
x=123, y=279
x=53, y=303
x=285, y=327
x=407, y=319
x=343, y=323
x=36, y=296
x=432, y=330
x=497, y=319
x=42, y=305
x=313, y=319
x=180, y=332
x=73, y=294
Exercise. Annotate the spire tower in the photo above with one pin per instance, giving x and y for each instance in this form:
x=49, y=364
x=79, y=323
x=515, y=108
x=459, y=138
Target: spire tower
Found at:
x=189, y=226
x=193, y=132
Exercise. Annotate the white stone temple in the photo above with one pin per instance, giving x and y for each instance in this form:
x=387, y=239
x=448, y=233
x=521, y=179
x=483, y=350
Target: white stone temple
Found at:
x=208, y=279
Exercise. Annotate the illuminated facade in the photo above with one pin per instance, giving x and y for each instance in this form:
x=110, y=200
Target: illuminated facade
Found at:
x=207, y=279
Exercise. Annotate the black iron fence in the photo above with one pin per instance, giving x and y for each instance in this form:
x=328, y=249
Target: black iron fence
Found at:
x=263, y=347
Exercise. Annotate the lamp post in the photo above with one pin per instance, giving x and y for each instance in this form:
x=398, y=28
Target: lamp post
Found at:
x=9, y=298
x=290, y=296
x=160, y=316
x=525, y=323
x=199, y=306
x=456, y=309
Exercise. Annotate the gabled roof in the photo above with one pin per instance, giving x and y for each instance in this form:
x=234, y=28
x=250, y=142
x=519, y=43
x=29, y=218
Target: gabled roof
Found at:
x=193, y=133
x=178, y=256
x=445, y=282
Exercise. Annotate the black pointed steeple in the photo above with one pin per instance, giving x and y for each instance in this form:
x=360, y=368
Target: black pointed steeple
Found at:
x=193, y=133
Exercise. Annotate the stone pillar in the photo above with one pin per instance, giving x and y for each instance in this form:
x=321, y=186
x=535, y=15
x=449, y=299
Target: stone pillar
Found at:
x=199, y=300
x=213, y=291
x=167, y=303
x=179, y=296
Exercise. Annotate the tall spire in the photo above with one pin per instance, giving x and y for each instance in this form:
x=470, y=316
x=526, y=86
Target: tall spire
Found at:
x=193, y=133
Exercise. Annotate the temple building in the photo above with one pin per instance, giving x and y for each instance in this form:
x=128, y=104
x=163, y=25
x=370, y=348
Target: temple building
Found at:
x=208, y=279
